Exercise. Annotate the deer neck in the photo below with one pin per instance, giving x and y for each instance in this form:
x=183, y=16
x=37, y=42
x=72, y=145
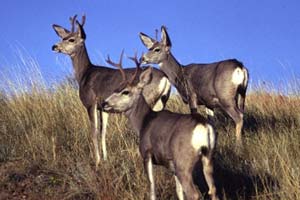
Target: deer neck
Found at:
x=138, y=114
x=81, y=62
x=175, y=72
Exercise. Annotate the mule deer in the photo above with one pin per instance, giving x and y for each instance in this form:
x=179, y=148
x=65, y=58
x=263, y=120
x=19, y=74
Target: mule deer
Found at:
x=98, y=82
x=173, y=140
x=221, y=84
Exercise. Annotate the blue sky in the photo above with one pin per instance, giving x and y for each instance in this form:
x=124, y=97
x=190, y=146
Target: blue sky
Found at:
x=264, y=35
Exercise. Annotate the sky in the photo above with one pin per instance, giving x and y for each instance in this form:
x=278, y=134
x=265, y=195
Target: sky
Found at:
x=264, y=35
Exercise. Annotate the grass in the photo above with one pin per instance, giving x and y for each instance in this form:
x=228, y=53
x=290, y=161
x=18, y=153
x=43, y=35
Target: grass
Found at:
x=46, y=153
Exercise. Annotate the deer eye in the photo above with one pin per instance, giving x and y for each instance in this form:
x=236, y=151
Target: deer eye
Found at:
x=125, y=92
x=71, y=40
x=157, y=50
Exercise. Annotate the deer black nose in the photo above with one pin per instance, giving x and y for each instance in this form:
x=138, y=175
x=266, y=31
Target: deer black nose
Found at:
x=104, y=105
x=54, y=47
x=142, y=60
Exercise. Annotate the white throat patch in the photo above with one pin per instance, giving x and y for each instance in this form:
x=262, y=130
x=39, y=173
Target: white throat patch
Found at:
x=163, y=89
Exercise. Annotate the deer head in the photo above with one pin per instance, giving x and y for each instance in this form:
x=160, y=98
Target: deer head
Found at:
x=127, y=95
x=71, y=40
x=158, y=51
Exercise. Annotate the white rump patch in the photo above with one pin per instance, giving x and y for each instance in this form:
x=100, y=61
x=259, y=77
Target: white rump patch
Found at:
x=237, y=76
x=163, y=89
x=200, y=137
x=203, y=136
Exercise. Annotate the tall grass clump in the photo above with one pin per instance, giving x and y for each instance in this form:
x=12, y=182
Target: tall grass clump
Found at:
x=46, y=153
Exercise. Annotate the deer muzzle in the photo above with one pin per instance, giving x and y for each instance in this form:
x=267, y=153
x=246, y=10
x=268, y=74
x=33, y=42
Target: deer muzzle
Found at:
x=143, y=60
x=55, y=48
x=105, y=106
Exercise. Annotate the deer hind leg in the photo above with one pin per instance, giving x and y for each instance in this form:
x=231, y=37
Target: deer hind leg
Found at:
x=179, y=190
x=241, y=97
x=93, y=116
x=237, y=117
x=184, y=174
x=241, y=102
x=242, y=91
x=189, y=189
x=104, y=119
x=208, y=174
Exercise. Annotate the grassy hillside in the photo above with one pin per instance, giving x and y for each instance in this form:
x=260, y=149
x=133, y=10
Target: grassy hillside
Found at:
x=46, y=153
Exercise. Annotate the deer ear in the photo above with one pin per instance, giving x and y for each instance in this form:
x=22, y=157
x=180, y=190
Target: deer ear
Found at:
x=146, y=40
x=165, y=39
x=145, y=77
x=60, y=31
x=80, y=30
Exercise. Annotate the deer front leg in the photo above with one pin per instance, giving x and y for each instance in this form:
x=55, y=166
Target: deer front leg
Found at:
x=104, y=119
x=193, y=103
x=92, y=112
x=192, y=96
x=179, y=190
x=149, y=170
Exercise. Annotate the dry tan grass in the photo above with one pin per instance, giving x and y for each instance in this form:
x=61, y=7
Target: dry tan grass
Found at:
x=45, y=150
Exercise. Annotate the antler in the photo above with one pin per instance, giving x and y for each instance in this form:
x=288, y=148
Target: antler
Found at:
x=135, y=60
x=72, y=20
x=118, y=65
x=137, y=63
x=156, y=34
x=83, y=20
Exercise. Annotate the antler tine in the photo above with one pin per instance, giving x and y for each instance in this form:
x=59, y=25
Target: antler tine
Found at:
x=138, y=64
x=135, y=60
x=83, y=20
x=72, y=20
x=156, y=34
x=118, y=65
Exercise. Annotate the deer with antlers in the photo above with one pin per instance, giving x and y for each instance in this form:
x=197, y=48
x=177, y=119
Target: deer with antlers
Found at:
x=96, y=83
x=221, y=84
x=173, y=140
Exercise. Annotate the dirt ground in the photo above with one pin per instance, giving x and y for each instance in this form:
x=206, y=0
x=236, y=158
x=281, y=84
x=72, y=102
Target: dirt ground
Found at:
x=19, y=181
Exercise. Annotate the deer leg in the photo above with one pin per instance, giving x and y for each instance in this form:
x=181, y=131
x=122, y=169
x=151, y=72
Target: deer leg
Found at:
x=193, y=103
x=188, y=186
x=241, y=102
x=237, y=117
x=92, y=111
x=179, y=190
x=149, y=170
x=184, y=173
x=104, y=119
x=242, y=94
x=208, y=174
